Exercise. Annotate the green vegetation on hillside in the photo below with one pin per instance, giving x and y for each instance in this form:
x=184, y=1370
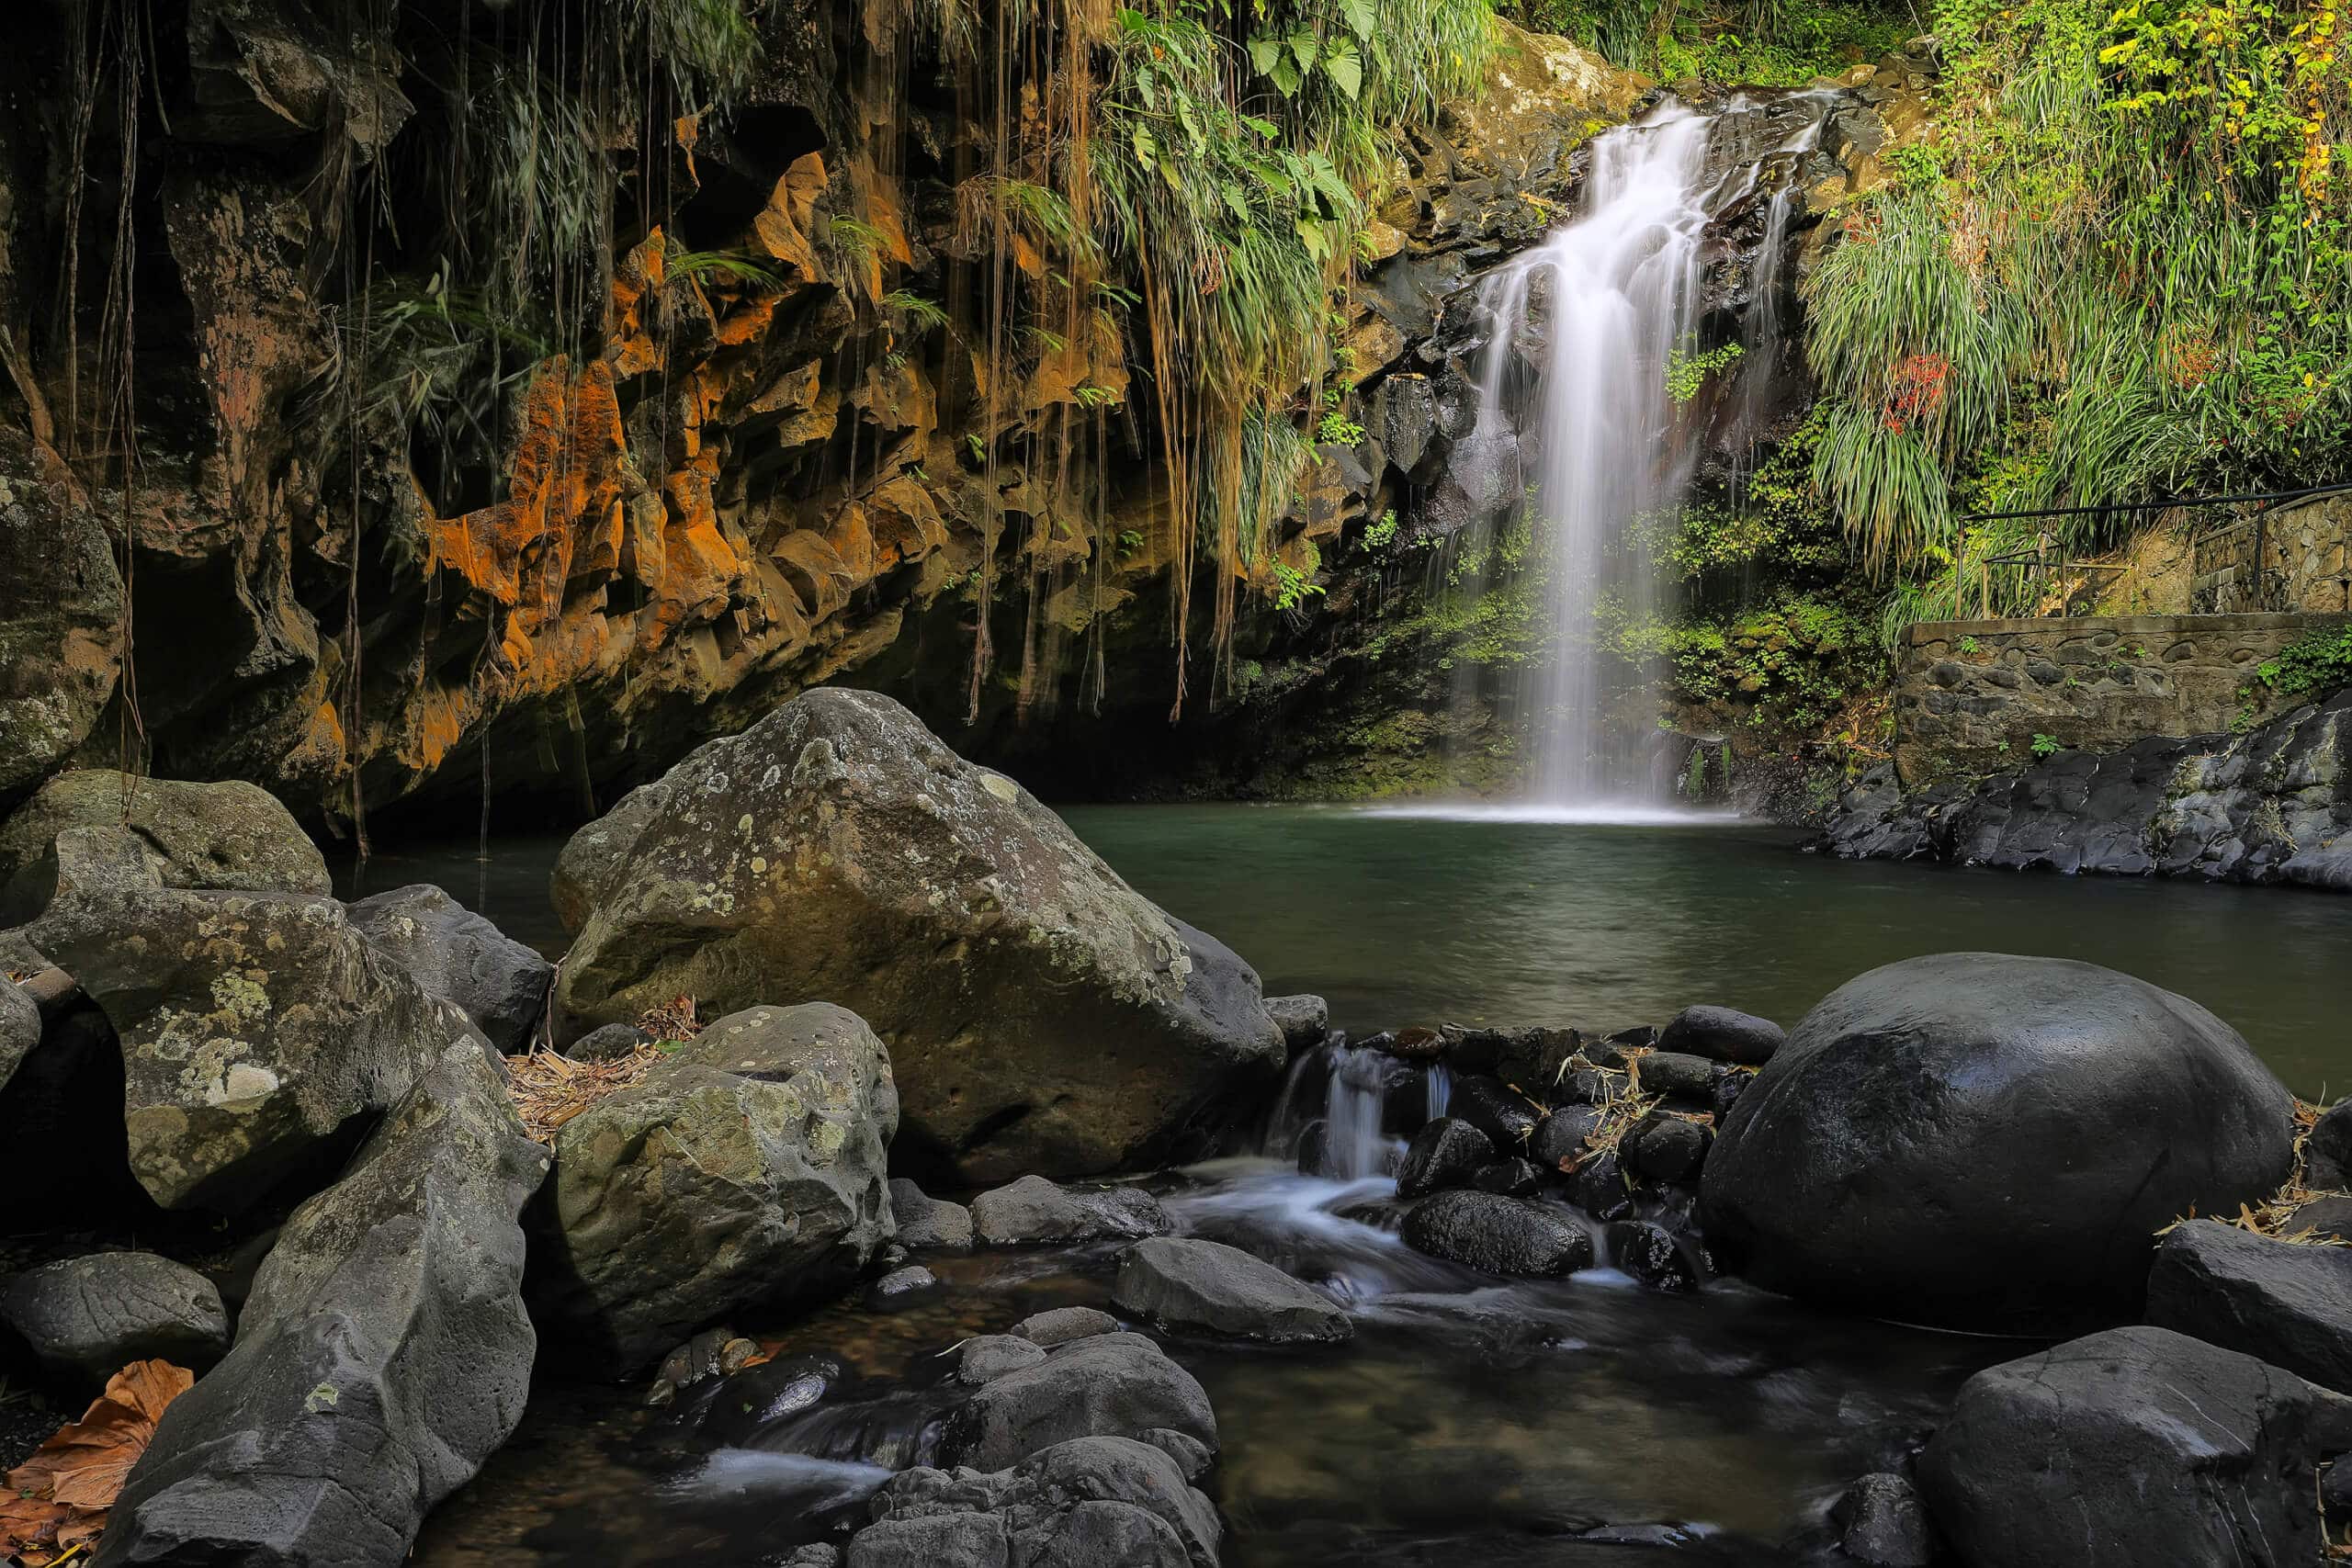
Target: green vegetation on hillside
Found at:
x=1765, y=43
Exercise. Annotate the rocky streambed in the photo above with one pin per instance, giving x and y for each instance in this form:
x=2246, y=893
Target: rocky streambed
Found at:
x=880, y=1179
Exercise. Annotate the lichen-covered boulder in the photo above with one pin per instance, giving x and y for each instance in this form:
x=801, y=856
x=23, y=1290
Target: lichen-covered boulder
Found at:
x=253, y=1026
x=230, y=836
x=19, y=1027
x=1042, y=1015
x=1990, y=1142
x=89, y=1318
x=383, y=1355
x=747, y=1170
x=1092, y=1500
x=458, y=954
x=61, y=606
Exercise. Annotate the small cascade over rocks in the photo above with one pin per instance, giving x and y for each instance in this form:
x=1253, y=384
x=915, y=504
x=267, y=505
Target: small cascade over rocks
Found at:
x=1647, y=337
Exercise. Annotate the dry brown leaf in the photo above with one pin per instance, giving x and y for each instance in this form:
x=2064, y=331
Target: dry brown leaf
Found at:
x=59, y=1498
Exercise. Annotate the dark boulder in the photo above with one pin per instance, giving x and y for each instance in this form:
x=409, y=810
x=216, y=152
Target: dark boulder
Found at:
x=1882, y=1523
x=1304, y=1021
x=1188, y=1285
x=1660, y=1147
x=1728, y=1094
x=2330, y=1136
x=1860, y=1167
x=87, y=1318
x=19, y=1027
x=902, y=1288
x=1559, y=1138
x=2289, y=1304
x=1671, y=1073
x=1043, y=1015
x=1600, y=1187
x=1064, y=1325
x=608, y=1043
x=927, y=1223
x=1513, y=1177
x=1088, y=1502
x=1721, y=1034
x=1033, y=1212
x=1446, y=1153
x=2323, y=1217
x=1109, y=1385
x=231, y=837
x=459, y=956
x=1501, y=1235
x=1656, y=1257
x=1497, y=1110
x=990, y=1356
x=383, y=1355
x=2133, y=1446
x=1589, y=1086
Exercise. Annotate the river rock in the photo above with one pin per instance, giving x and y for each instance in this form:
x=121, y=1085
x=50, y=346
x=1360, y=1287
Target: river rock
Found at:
x=1501, y=1235
x=902, y=1288
x=1656, y=1257
x=2330, y=1216
x=988, y=1357
x=1665, y=1148
x=1882, y=1524
x=60, y=609
x=1305, y=1022
x=89, y=1318
x=1671, y=1073
x=19, y=1027
x=1859, y=1168
x=1722, y=1034
x=746, y=1168
x=1064, y=1326
x=1033, y=1212
x=608, y=1043
x=1044, y=1016
x=1186, y=1285
x=1600, y=1187
x=1513, y=1177
x=1089, y=1503
x=2289, y=1304
x=2331, y=1141
x=383, y=1355
x=255, y=1027
x=1559, y=1138
x=1106, y=1385
x=1444, y=1153
x=928, y=1222
x=1495, y=1109
x=231, y=836
x=2133, y=1446
x=455, y=954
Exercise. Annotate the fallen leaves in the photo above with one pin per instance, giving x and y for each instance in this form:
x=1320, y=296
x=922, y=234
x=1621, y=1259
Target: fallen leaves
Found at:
x=549, y=1088
x=55, y=1502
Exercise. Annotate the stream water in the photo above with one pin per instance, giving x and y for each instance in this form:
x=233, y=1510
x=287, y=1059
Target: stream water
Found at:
x=1469, y=1420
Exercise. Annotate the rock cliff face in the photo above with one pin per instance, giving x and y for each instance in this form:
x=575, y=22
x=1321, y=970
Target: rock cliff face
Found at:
x=743, y=461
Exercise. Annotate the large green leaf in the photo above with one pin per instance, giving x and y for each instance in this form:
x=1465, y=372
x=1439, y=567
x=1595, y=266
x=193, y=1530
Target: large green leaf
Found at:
x=1360, y=17
x=1344, y=66
x=1264, y=50
x=1303, y=45
x=1286, y=76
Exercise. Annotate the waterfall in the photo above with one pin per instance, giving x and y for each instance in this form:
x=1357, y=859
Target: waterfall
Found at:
x=1354, y=1146
x=1574, y=381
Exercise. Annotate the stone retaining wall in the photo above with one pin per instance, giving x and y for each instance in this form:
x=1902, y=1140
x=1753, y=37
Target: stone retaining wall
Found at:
x=1973, y=696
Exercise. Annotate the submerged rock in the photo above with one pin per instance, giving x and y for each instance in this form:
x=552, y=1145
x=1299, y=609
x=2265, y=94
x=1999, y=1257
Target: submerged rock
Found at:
x=1185, y=1284
x=2289, y=1304
x=1033, y=1212
x=1104, y=1385
x=255, y=1027
x=1044, y=1016
x=902, y=1288
x=383, y=1355
x=1882, y=1524
x=230, y=837
x=1091, y=1500
x=90, y=1317
x=1723, y=1034
x=1501, y=1235
x=746, y=1168
x=455, y=954
x=2133, y=1446
x=1985, y=1141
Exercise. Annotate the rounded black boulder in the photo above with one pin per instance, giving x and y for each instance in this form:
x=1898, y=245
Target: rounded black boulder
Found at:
x=1990, y=1142
x=1500, y=1235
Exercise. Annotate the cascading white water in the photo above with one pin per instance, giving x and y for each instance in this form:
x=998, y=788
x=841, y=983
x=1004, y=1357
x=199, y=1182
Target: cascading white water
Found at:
x=1574, y=387
x=1353, y=1144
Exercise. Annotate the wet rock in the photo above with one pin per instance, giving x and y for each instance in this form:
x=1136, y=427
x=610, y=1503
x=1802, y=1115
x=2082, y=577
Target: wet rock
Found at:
x=1186, y=1285
x=1854, y=1170
x=612, y=1043
x=1591, y=1085
x=455, y=954
x=2330, y=1136
x=1600, y=1189
x=1728, y=1094
x=230, y=837
x=701, y=1358
x=2322, y=1217
x=1513, y=1177
x=1532, y=1058
x=1501, y=1235
x=1671, y=1073
x=1192, y=1457
x=255, y=1027
x=746, y=1168
x=1044, y=1017
x=1064, y=1326
x=2131, y=1447
x=1033, y=1212
x=1882, y=1524
x=1660, y=1147
x=754, y=1398
x=1559, y=1138
x=1656, y=1257
x=383, y=1355
x=992, y=1355
x=1304, y=1021
x=87, y=1318
x=1446, y=1153
x=1722, y=1034
x=902, y=1288
x=2289, y=1304
x=929, y=1223
x=1107, y=1385
x=1497, y=1110
x=1088, y=1502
